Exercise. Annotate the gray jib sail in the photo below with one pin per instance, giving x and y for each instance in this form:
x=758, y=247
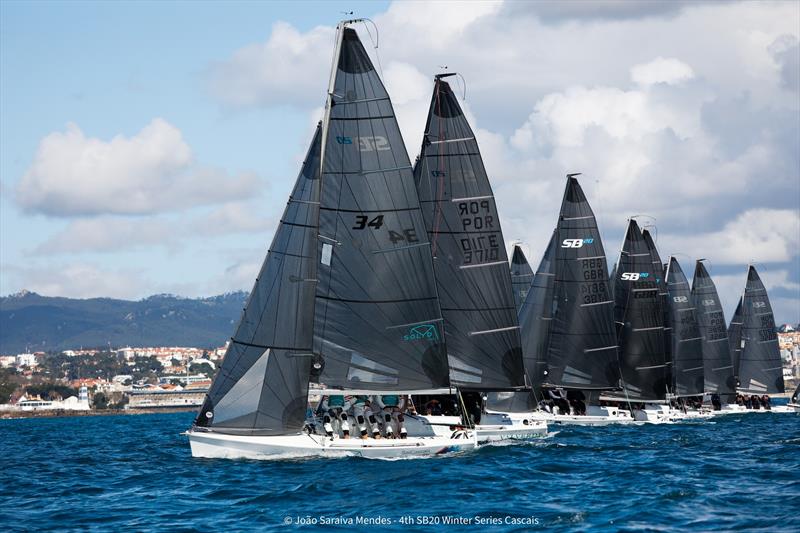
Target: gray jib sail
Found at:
x=760, y=365
x=735, y=338
x=262, y=385
x=521, y=276
x=640, y=320
x=582, y=347
x=686, y=343
x=661, y=280
x=718, y=368
x=535, y=318
x=470, y=261
x=377, y=324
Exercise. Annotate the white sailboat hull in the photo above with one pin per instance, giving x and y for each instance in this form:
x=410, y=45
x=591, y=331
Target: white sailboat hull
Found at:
x=494, y=427
x=220, y=446
x=794, y=407
x=734, y=409
x=595, y=416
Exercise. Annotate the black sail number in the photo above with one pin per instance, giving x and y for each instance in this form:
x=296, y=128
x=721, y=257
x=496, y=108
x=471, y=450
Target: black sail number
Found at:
x=363, y=222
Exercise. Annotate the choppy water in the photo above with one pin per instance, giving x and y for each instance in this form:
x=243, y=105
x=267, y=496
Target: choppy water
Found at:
x=134, y=473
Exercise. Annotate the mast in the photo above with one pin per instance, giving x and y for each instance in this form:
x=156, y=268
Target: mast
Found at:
x=718, y=368
x=473, y=280
x=760, y=365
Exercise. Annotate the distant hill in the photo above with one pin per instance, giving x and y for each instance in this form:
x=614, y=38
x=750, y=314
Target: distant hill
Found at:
x=34, y=322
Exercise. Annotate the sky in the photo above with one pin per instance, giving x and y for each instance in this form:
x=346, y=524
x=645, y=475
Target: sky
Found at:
x=150, y=147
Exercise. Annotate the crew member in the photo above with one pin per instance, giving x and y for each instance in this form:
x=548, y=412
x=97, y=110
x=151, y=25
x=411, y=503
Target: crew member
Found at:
x=335, y=408
x=362, y=411
x=392, y=407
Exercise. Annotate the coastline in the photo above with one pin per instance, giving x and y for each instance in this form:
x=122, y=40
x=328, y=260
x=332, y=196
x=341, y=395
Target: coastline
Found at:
x=9, y=415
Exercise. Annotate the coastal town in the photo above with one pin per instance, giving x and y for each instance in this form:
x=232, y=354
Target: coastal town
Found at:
x=142, y=379
x=125, y=379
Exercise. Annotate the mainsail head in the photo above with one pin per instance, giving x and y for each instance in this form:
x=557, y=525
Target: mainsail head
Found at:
x=261, y=387
x=582, y=346
x=760, y=365
x=378, y=325
x=718, y=368
x=640, y=320
x=521, y=276
x=470, y=261
x=686, y=343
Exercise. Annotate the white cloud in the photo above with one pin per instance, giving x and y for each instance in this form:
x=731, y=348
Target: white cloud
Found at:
x=109, y=234
x=80, y=280
x=152, y=171
x=670, y=71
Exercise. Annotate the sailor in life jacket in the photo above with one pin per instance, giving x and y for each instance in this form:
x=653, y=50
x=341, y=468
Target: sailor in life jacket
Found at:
x=361, y=412
x=393, y=407
x=335, y=408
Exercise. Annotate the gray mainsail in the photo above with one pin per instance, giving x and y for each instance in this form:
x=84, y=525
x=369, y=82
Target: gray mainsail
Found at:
x=760, y=365
x=378, y=325
x=535, y=318
x=470, y=261
x=521, y=276
x=640, y=320
x=686, y=343
x=735, y=339
x=261, y=387
x=718, y=368
x=582, y=347
x=659, y=270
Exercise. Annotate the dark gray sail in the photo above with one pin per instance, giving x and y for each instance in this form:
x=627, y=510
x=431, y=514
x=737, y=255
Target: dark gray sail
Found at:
x=261, y=387
x=686, y=343
x=659, y=270
x=735, y=339
x=470, y=261
x=535, y=318
x=521, y=276
x=378, y=326
x=796, y=395
x=640, y=320
x=718, y=368
x=582, y=347
x=760, y=365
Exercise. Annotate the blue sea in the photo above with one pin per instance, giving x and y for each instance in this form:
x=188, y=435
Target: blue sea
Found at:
x=135, y=473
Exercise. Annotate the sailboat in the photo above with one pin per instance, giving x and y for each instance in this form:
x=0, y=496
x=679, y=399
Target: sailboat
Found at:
x=521, y=276
x=758, y=364
x=567, y=320
x=685, y=341
x=718, y=373
x=346, y=296
x=473, y=281
x=640, y=319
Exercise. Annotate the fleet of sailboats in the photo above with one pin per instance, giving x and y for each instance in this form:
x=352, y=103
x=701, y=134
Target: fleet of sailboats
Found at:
x=387, y=293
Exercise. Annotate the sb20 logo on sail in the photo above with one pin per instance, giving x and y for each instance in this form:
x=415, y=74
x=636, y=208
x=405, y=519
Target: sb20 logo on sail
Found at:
x=366, y=143
x=634, y=276
x=576, y=243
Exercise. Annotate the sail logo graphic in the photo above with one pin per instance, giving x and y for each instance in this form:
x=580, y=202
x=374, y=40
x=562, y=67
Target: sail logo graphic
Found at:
x=422, y=332
x=759, y=305
x=709, y=302
x=375, y=143
x=576, y=243
x=680, y=299
x=438, y=173
x=634, y=276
